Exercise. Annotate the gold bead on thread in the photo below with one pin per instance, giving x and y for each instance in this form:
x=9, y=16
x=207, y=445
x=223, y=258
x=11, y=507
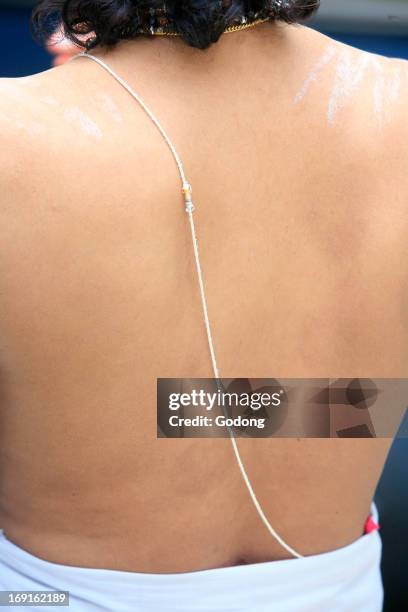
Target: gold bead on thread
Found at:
x=187, y=190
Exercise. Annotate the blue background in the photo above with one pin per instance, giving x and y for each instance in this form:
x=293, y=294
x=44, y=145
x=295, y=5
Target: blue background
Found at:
x=20, y=56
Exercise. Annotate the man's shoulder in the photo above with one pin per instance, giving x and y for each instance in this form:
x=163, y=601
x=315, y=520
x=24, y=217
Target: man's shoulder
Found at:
x=17, y=126
x=19, y=117
x=369, y=93
x=358, y=91
x=26, y=111
x=24, y=128
x=390, y=100
x=359, y=101
x=384, y=81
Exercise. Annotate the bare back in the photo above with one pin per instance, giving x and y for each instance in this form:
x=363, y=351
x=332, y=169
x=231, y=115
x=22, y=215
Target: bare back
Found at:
x=294, y=146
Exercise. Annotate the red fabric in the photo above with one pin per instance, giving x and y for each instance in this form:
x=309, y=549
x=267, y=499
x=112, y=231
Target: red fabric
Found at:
x=370, y=525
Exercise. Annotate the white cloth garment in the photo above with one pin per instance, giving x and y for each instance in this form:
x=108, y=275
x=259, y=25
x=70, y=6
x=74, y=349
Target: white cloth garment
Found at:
x=344, y=580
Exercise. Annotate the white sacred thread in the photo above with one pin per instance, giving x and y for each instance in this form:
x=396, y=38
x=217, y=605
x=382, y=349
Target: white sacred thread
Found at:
x=186, y=189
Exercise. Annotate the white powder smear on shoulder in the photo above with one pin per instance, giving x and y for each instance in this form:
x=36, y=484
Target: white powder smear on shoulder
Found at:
x=33, y=128
x=354, y=69
x=109, y=105
x=396, y=82
x=50, y=100
x=350, y=72
x=313, y=75
x=9, y=88
x=28, y=81
x=77, y=117
x=379, y=91
x=13, y=118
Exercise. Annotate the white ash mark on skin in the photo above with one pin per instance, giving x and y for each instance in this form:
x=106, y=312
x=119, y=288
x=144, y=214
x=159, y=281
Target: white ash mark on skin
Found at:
x=50, y=100
x=379, y=91
x=352, y=70
x=396, y=82
x=391, y=90
x=76, y=116
x=33, y=129
x=109, y=105
x=350, y=73
x=28, y=81
x=10, y=89
x=386, y=89
x=318, y=67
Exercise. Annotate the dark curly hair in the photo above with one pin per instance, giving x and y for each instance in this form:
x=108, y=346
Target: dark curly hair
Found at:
x=90, y=23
